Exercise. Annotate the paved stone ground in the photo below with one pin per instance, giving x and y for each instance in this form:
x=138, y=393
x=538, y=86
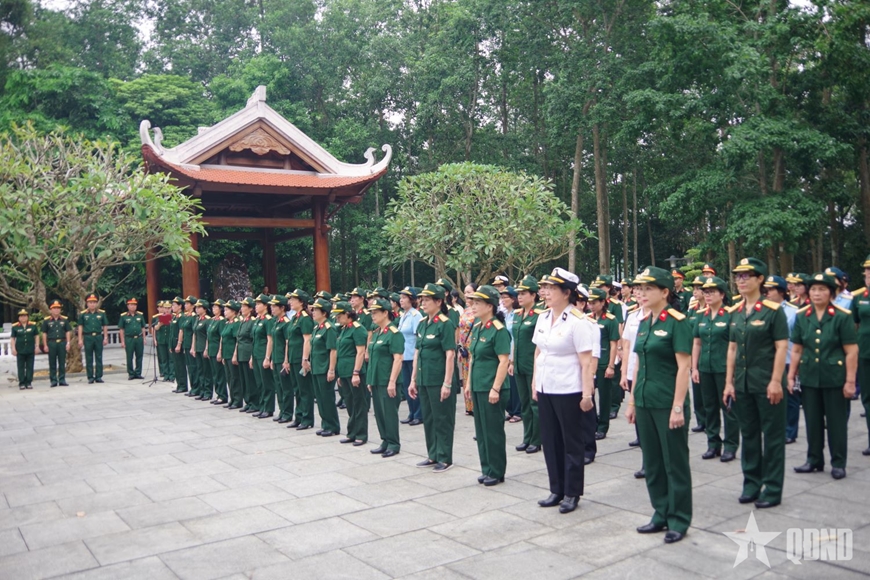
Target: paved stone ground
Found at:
x=124, y=481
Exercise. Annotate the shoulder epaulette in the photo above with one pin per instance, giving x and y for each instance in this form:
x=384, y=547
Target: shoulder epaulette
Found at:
x=498, y=325
x=843, y=310
x=676, y=314
x=268, y=317
x=576, y=312
x=536, y=311
x=771, y=304
x=645, y=316
x=616, y=300
x=356, y=324
x=393, y=329
x=858, y=291
x=519, y=311
x=328, y=324
x=632, y=308
x=610, y=315
x=788, y=305
x=705, y=310
x=16, y=324
x=64, y=317
x=83, y=311
x=476, y=324
x=101, y=310
x=737, y=298
x=804, y=309
x=737, y=306
x=137, y=312
x=366, y=311
x=303, y=313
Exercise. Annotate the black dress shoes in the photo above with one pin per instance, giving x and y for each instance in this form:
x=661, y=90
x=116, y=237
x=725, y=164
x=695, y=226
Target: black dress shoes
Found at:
x=346, y=440
x=711, y=453
x=53, y=385
x=698, y=429
x=293, y=425
x=672, y=537
x=491, y=481
x=727, y=456
x=551, y=501
x=405, y=421
x=651, y=528
x=63, y=384
x=327, y=434
x=599, y=435
x=588, y=460
x=358, y=443
x=807, y=468
x=635, y=443
x=282, y=420
x=533, y=449
x=276, y=419
x=99, y=380
x=838, y=472
x=264, y=415
x=522, y=446
x=569, y=504
x=319, y=432
x=613, y=414
x=640, y=474
x=91, y=382
x=747, y=498
x=377, y=451
x=131, y=378
x=790, y=440
x=389, y=453
x=481, y=478
x=303, y=427
x=252, y=410
x=866, y=452
x=766, y=504
x=415, y=422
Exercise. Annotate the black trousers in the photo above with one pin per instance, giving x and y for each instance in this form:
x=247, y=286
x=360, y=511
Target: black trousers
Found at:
x=590, y=426
x=562, y=437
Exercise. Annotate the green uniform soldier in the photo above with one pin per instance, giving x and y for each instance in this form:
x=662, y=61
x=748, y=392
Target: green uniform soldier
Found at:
x=861, y=314
x=432, y=378
x=229, y=336
x=350, y=368
x=280, y=363
x=212, y=352
x=357, y=298
x=131, y=328
x=242, y=356
x=696, y=304
x=755, y=381
x=711, y=331
x=186, y=329
x=299, y=355
x=23, y=345
x=201, y=323
x=454, y=314
x=609, y=329
x=262, y=358
x=93, y=336
x=489, y=351
x=160, y=339
x=385, y=364
x=684, y=294
x=614, y=305
x=323, y=361
x=525, y=319
x=659, y=405
x=56, y=334
x=179, y=357
x=825, y=355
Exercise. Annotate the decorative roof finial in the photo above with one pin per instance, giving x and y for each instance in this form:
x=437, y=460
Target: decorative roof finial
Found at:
x=259, y=96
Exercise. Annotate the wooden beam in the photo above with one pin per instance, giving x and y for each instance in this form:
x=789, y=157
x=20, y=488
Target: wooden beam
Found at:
x=190, y=271
x=219, y=235
x=152, y=283
x=294, y=235
x=254, y=222
x=321, y=247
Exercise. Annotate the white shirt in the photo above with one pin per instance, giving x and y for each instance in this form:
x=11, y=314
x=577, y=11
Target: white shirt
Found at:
x=557, y=367
x=629, y=333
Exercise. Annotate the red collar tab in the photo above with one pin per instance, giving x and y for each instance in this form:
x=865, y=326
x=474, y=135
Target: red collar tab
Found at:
x=321, y=325
x=436, y=319
x=664, y=315
x=758, y=306
x=809, y=312
x=488, y=323
x=721, y=312
x=866, y=292
x=384, y=330
x=831, y=310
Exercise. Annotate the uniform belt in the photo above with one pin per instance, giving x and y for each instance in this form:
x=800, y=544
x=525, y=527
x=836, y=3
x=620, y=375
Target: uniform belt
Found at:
x=58, y=339
x=93, y=334
x=132, y=335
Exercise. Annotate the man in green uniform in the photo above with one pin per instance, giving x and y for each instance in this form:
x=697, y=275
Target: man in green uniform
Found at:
x=186, y=327
x=56, y=334
x=861, y=314
x=201, y=323
x=825, y=355
x=280, y=363
x=93, y=336
x=131, y=328
x=755, y=381
x=179, y=359
x=160, y=339
x=24, y=336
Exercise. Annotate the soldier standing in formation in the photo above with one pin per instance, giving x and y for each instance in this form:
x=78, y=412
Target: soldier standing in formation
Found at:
x=56, y=334
x=131, y=329
x=23, y=346
x=93, y=336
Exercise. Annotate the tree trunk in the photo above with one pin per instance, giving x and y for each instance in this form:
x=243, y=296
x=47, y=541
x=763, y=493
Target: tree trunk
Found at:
x=575, y=200
x=624, y=224
x=602, y=204
x=732, y=262
x=634, y=218
x=652, y=251
x=412, y=273
x=377, y=192
x=864, y=181
x=835, y=234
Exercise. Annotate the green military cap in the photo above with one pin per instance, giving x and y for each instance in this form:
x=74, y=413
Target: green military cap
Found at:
x=409, y=291
x=219, y=302
x=602, y=280
x=263, y=298
x=823, y=278
x=55, y=304
x=678, y=274
x=509, y=290
x=528, y=284
x=178, y=300
x=322, y=304
x=379, y=292
x=488, y=294
x=395, y=297
x=801, y=278
x=866, y=263
x=775, y=282
x=233, y=305
x=627, y=282
x=92, y=298
x=699, y=280
x=323, y=294
x=597, y=294
x=201, y=302
x=433, y=291
x=358, y=292
x=190, y=299
x=751, y=265
x=339, y=298
x=709, y=270
x=300, y=295
x=657, y=277
x=445, y=283
x=342, y=307
x=381, y=304
x=23, y=312
x=248, y=301
x=716, y=283
x=279, y=300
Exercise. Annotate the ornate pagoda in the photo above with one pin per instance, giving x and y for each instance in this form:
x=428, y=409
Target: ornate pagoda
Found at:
x=255, y=169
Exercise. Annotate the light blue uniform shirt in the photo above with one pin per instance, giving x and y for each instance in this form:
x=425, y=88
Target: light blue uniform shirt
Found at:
x=509, y=324
x=408, y=327
x=790, y=316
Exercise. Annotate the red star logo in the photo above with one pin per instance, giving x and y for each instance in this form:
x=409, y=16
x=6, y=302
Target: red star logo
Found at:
x=758, y=306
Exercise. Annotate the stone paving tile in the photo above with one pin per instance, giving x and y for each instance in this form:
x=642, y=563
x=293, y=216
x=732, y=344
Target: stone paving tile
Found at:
x=153, y=514
x=387, y=554
x=223, y=526
x=316, y=507
x=11, y=542
x=303, y=540
x=56, y=491
x=28, y=514
x=335, y=565
x=124, y=546
x=103, y=501
x=185, y=488
x=245, y=497
x=151, y=568
x=216, y=560
x=398, y=518
x=47, y=562
x=70, y=529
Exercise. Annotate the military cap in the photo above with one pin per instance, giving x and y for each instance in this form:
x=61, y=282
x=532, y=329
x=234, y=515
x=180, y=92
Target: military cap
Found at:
x=509, y=290
x=823, y=278
x=627, y=282
x=776, y=282
x=263, y=299
x=342, y=307
x=562, y=277
x=699, y=280
x=323, y=294
x=677, y=274
x=202, y=303
x=190, y=299
x=278, y=300
x=248, y=301
x=322, y=304
x=500, y=280
x=433, y=291
x=409, y=291
x=836, y=273
x=529, y=284
x=23, y=312
x=715, y=283
x=602, y=280
x=394, y=296
x=379, y=292
x=300, y=295
x=657, y=277
x=487, y=294
x=708, y=269
x=132, y=301
x=583, y=292
x=177, y=300
x=92, y=298
x=219, y=302
x=445, y=283
x=233, y=305
x=380, y=304
x=751, y=265
x=55, y=304
x=866, y=263
x=358, y=292
x=597, y=294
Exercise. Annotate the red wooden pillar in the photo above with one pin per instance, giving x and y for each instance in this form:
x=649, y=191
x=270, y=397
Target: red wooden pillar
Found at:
x=321, y=247
x=270, y=266
x=190, y=271
x=152, y=282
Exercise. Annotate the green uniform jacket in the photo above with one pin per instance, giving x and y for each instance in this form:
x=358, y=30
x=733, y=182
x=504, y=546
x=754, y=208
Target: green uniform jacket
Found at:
x=364, y=318
x=385, y=343
x=261, y=331
x=163, y=333
x=656, y=347
x=714, y=340
x=131, y=324
x=351, y=336
x=185, y=325
x=755, y=337
x=214, y=335
x=229, y=336
x=435, y=338
x=323, y=340
x=823, y=362
x=174, y=327
x=861, y=315
x=299, y=327
x=523, y=331
x=488, y=341
x=25, y=337
x=279, y=340
x=609, y=328
x=245, y=340
x=93, y=322
x=614, y=307
x=56, y=329
x=200, y=331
